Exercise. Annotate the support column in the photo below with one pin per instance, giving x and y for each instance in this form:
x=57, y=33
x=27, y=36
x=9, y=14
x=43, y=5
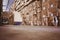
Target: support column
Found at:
x=0, y=12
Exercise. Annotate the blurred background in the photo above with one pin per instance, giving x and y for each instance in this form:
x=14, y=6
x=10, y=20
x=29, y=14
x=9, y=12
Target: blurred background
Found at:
x=30, y=12
x=29, y=19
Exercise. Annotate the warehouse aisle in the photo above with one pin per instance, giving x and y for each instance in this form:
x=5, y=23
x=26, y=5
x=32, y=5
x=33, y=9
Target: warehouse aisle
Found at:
x=16, y=32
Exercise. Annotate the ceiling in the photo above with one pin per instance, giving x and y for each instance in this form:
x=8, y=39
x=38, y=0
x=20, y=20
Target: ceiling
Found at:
x=7, y=4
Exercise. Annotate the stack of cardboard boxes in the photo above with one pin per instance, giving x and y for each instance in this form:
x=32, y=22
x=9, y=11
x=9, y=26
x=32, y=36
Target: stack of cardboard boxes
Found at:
x=38, y=12
x=49, y=12
x=53, y=12
x=7, y=18
x=45, y=5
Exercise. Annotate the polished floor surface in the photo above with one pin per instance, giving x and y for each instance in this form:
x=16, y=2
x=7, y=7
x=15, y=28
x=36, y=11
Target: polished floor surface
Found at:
x=19, y=32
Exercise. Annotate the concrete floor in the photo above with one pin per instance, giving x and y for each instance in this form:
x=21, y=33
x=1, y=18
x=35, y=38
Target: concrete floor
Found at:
x=12, y=32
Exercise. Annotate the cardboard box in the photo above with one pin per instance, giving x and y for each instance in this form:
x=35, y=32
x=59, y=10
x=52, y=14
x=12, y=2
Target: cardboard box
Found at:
x=9, y=17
